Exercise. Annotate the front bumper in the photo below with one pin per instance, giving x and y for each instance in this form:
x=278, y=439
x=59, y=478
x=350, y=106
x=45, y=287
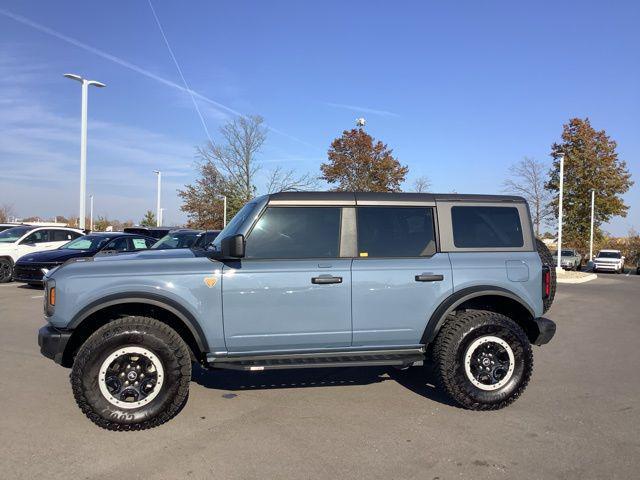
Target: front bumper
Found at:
x=606, y=266
x=53, y=342
x=542, y=331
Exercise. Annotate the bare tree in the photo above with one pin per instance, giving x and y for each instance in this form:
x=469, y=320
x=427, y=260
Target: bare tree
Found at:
x=6, y=211
x=527, y=179
x=281, y=180
x=235, y=157
x=422, y=184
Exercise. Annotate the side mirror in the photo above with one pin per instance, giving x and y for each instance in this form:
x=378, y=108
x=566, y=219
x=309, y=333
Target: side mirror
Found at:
x=233, y=246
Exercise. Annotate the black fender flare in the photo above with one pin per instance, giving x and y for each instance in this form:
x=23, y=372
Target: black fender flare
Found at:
x=152, y=299
x=457, y=298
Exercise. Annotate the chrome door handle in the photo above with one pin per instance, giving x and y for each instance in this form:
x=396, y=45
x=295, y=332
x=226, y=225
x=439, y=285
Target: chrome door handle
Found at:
x=325, y=279
x=429, y=277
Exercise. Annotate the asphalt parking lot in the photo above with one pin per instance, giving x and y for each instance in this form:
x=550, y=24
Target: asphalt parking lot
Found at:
x=579, y=417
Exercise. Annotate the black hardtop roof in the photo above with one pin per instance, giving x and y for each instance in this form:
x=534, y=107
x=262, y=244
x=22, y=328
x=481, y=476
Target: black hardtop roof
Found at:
x=391, y=196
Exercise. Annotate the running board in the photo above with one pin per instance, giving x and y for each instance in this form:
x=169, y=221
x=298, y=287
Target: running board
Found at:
x=370, y=358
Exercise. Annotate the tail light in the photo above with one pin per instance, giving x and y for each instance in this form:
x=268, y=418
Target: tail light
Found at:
x=546, y=281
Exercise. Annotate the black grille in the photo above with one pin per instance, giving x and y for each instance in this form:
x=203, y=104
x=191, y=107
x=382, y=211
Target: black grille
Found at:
x=30, y=271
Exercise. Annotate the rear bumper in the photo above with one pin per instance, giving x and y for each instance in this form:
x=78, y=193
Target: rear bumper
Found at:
x=543, y=331
x=53, y=342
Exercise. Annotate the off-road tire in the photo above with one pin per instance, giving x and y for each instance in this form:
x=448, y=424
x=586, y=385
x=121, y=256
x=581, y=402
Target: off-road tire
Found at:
x=547, y=259
x=142, y=332
x=6, y=270
x=450, y=348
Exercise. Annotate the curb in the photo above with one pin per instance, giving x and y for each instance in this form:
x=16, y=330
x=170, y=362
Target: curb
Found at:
x=586, y=278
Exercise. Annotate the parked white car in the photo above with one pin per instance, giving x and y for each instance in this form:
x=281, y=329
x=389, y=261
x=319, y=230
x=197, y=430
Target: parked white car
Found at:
x=25, y=239
x=609, y=260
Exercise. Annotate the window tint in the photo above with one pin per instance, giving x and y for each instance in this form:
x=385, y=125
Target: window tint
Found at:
x=486, y=227
x=395, y=232
x=119, y=245
x=39, y=236
x=61, y=235
x=296, y=232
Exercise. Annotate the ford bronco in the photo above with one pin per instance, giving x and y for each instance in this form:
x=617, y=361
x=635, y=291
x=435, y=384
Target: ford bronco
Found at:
x=303, y=280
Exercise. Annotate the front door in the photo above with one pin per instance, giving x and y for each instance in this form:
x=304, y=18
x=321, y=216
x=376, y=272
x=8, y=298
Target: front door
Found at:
x=399, y=278
x=291, y=291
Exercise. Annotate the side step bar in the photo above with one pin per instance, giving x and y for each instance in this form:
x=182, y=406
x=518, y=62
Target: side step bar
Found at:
x=369, y=358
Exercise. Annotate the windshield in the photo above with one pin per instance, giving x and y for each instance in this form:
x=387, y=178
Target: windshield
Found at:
x=567, y=253
x=88, y=242
x=12, y=234
x=234, y=224
x=176, y=240
x=609, y=255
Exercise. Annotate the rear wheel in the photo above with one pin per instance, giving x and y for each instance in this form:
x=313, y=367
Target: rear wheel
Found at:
x=132, y=374
x=483, y=360
x=6, y=270
x=547, y=259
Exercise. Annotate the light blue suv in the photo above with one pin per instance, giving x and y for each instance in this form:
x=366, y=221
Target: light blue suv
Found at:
x=303, y=280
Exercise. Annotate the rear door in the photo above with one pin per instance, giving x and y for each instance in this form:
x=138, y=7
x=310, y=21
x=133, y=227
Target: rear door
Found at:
x=58, y=238
x=292, y=291
x=399, y=277
x=491, y=244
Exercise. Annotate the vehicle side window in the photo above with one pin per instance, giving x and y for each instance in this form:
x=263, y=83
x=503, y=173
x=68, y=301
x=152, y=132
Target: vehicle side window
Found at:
x=39, y=236
x=395, y=232
x=486, y=227
x=296, y=232
x=62, y=235
x=141, y=243
x=149, y=242
x=119, y=245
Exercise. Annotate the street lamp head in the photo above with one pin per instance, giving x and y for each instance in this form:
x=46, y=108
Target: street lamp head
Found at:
x=156, y=171
x=95, y=83
x=73, y=76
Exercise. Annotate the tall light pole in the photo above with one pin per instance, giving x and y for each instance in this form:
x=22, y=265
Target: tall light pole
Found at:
x=559, y=266
x=158, y=211
x=224, y=215
x=83, y=141
x=593, y=202
x=91, y=212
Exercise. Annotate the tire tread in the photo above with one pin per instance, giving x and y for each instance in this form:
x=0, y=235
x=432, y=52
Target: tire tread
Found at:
x=175, y=343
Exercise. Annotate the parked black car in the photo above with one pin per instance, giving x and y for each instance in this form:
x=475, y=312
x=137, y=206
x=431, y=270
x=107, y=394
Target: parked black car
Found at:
x=30, y=268
x=186, y=238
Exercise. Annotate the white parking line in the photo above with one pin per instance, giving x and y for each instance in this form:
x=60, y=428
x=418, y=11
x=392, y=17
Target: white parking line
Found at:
x=38, y=296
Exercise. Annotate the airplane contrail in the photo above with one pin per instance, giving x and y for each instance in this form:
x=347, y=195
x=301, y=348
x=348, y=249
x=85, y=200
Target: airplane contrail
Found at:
x=135, y=68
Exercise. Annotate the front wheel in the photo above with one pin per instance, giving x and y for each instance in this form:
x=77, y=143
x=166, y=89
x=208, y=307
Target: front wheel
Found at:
x=132, y=374
x=483, y=360
x=6, y=270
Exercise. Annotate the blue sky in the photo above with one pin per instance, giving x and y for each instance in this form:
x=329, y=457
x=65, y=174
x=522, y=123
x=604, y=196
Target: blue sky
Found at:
x=459, y=90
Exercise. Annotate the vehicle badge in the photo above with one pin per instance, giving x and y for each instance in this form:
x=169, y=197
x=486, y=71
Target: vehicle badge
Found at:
x=210, y=281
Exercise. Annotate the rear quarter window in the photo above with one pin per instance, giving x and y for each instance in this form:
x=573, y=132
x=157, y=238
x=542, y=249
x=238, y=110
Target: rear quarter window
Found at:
x=486, y=227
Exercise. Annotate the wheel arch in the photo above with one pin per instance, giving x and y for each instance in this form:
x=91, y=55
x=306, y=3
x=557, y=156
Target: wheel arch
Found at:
x=482, y=297
x=104, y=310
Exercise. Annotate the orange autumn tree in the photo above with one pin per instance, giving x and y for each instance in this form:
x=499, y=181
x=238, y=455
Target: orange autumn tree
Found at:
x=359, y=163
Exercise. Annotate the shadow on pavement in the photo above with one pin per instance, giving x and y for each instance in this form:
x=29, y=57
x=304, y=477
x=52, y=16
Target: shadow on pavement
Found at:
x=419, y=380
